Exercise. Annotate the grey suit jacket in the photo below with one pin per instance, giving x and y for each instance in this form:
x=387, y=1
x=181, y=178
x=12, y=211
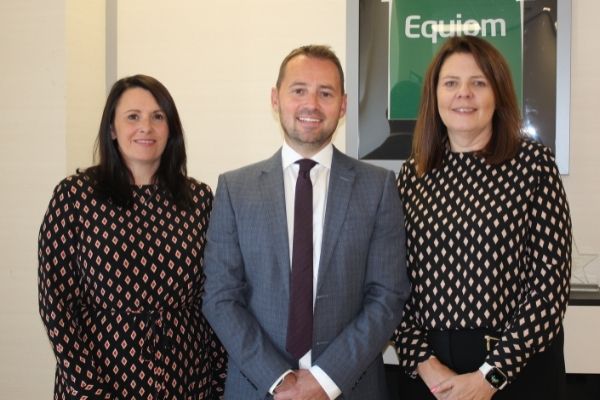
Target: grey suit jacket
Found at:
x=362, y=282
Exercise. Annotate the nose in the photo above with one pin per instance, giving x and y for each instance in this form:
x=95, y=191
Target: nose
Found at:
x=464, y=90
x=145, y=126
x=312, y=100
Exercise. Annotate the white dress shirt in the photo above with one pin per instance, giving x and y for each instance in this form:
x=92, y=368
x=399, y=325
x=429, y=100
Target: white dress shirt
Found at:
x=319, y=176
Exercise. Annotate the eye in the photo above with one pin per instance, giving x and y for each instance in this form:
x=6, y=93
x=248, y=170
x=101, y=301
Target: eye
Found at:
x=449, y=83
x=298, y=91
x=159, y=116
x=133, y=117
x=480, y=83
x=326, y=94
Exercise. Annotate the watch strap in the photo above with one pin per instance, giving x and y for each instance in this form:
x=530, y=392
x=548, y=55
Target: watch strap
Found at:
x=494, y=375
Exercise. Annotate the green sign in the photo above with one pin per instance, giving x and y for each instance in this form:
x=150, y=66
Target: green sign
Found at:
x=419, y=27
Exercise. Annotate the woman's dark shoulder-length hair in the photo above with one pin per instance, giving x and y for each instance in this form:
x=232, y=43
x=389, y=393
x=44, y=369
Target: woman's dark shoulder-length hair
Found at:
x=111, y=176
x=431, y=135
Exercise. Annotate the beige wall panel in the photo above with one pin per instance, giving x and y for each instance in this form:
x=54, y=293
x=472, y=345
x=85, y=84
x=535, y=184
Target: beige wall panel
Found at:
x=32, y=160
x=86, y=81
x=220, y=60
x=583, y=183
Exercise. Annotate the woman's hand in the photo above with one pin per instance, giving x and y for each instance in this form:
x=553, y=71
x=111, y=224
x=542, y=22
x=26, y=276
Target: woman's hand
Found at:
x=471, y=386
x=433, y=373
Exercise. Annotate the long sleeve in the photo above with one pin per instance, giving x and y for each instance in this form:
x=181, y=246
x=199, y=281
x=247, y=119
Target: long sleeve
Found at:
x=489, y=246
x=385, y=290
x=225, y=303
x=409, y=338
x=546, y=274
x=60, y=297
x=218, y=363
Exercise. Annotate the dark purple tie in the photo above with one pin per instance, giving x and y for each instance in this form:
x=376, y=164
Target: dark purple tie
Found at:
x=300, y=320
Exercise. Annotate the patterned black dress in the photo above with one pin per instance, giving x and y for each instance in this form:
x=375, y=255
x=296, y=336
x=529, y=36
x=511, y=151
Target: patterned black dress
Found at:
x=120, y=295
x=488, y=247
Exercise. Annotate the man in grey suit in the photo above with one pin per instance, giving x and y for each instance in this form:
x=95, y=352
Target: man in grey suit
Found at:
x=358, y=283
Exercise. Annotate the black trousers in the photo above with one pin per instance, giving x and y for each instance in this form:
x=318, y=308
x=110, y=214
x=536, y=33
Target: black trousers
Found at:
x=464, y=351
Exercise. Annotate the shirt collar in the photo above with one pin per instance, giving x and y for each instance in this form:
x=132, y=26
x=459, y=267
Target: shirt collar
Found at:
x=289, y=156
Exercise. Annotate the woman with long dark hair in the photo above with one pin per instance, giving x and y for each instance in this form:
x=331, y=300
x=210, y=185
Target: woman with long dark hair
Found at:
x=121, y=261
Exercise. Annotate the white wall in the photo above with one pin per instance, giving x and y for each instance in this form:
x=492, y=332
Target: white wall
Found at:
x=219, y=60
x=85, y=78
x=583, y=182
x=582, y=324
x=32, y=159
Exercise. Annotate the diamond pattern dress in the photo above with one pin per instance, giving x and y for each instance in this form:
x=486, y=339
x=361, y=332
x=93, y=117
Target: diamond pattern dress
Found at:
x=487, y=247
x=120, y=295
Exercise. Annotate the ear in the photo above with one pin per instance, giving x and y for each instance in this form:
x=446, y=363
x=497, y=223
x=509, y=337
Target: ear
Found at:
x=113, y=134
x=343, y=105
x=275, y=99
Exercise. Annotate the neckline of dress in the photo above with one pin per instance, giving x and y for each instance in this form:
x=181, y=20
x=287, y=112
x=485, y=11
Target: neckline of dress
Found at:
x=145, y=186
x=470, y=153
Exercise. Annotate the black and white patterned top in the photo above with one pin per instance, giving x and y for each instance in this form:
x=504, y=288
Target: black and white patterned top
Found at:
x=487, y=247
x=120, y=295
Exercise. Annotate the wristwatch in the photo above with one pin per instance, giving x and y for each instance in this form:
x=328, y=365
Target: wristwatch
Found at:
x=494, y=376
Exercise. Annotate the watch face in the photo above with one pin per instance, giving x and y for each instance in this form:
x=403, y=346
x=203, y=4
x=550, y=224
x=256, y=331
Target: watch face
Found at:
x=496, y=378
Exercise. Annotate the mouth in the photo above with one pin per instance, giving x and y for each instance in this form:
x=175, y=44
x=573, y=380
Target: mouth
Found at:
x=309, y=120
x=145, y=142
x=464, y=110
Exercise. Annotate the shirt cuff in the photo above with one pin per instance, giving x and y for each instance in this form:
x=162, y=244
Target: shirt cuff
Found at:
x=278, y=381
x=328, y=385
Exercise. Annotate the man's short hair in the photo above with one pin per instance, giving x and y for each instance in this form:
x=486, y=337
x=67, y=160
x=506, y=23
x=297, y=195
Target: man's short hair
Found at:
x=315, y=51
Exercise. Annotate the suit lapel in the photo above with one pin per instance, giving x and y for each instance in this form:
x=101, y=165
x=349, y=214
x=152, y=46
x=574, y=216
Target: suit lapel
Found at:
x=341, y=181
x=272, y=193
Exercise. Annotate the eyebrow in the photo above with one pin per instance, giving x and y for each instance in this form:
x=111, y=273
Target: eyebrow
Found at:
x=304, y=84
x=138, y=110
x=458, y=77
x=330, y=87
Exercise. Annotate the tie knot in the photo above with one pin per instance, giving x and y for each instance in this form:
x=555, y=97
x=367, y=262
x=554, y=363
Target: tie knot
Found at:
x=306, y=165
